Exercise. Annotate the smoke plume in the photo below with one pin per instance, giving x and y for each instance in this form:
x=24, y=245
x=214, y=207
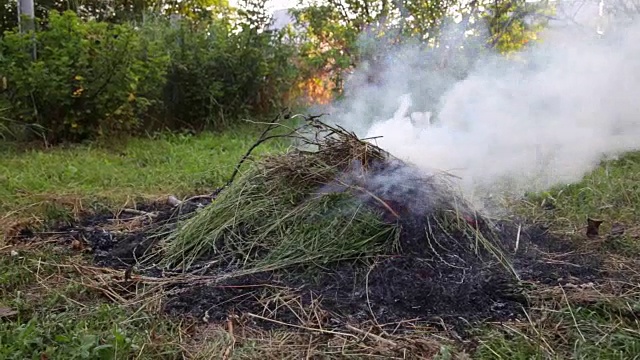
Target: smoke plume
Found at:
x=505, y=126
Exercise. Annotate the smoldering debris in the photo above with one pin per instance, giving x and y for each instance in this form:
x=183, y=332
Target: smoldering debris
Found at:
x=345, y=233
x=544, y=117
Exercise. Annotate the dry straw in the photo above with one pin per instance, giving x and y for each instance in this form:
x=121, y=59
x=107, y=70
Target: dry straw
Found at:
x=333, y=197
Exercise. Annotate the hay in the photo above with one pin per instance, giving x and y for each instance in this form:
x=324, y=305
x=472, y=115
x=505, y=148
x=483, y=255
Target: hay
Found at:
x=333, y=198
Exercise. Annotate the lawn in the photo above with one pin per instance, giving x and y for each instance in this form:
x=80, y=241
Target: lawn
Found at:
x=602, y=320
x=51, y=183
x=49, y=311
x=44, y=311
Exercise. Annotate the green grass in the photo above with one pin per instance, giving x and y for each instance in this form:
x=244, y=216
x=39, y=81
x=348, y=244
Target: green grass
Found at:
x=58, y=318
x=171, y=164
x=588, y=323
x=54, y=316
x=611, y=193
x=577, y=332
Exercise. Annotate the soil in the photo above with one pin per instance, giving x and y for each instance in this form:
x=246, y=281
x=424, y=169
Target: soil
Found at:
x=450, y=291
x=413, y=285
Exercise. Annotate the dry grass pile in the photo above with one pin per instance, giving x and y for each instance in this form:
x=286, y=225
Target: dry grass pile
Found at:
x=336, y=247
x=332, y=198
x=335, y=231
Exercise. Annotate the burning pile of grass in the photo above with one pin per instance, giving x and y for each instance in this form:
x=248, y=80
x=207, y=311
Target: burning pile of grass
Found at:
x=334, y=236
x=335, y=198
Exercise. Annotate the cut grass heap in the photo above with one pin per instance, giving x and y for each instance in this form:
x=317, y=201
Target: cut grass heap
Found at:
x=334, y=198
x=350, y=255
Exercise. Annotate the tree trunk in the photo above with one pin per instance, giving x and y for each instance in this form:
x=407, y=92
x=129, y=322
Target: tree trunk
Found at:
x=27, y=20
x=26, y=14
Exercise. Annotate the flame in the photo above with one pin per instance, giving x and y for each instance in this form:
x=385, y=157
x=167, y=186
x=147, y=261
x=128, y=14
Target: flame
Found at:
x=318, y=90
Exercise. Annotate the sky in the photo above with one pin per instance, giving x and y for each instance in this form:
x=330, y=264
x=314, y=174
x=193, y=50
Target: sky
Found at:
x=273, y=4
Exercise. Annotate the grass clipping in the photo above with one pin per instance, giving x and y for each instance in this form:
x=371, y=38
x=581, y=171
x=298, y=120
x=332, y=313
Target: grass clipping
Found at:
x=332, y=198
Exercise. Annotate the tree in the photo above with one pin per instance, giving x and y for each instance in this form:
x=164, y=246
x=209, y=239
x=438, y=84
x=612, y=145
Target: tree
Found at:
x=338, y=32
x=115, y=11
x=193, y=9
x=513, y=24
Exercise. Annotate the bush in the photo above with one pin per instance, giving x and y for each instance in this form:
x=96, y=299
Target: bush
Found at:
x=89, y=78
x=94, y=78
x=219, y=74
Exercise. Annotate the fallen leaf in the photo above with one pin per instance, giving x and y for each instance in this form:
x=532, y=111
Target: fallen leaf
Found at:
x=593, y=226
x=76, y=245
x=7, y=312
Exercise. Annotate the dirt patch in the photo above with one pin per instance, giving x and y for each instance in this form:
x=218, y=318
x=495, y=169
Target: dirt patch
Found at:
x=387, y=290
x=118, y=239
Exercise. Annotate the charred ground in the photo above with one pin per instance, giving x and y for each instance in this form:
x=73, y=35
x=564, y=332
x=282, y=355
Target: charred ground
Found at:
x=433, y=260
x=407, y=287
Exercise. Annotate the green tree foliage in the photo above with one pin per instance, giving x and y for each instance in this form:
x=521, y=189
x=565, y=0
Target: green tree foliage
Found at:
x=193, y=10
x=334, y=29
x=106, y=66
x=9, y=12
x=330, y=42
x=512, y=24
x=114, y=11
x=219, y=73
x=92, y=78
x=89, y=78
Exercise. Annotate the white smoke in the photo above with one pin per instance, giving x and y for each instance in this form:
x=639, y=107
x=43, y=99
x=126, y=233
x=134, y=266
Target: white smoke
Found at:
x=508, y=126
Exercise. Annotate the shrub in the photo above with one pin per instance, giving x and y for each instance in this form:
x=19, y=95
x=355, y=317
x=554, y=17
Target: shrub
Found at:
x=89, y=78
x=219, y=73
x=94, y=78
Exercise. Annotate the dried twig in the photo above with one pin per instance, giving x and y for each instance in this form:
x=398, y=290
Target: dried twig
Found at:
x=227, y=353
x=263, y=138
x=373, y=336
x=301, y=327
x=140, y=212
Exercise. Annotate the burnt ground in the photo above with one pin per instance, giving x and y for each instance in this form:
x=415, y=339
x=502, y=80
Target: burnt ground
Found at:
x=411, y=285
